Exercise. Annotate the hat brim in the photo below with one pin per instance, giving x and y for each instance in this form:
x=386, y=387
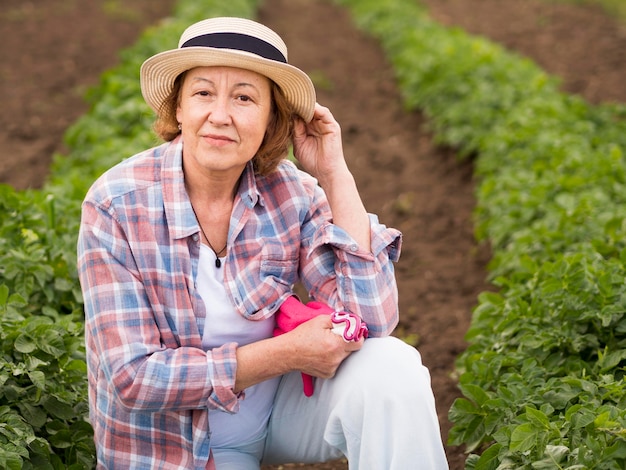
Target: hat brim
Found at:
x=159, y=72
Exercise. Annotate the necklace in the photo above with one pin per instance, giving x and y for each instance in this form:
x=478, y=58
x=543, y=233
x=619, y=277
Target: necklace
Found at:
x=218, y=263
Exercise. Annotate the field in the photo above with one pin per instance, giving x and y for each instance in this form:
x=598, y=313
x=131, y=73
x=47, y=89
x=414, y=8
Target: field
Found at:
x=54, y=51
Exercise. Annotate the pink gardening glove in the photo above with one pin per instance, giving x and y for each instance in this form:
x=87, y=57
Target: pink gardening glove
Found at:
x=293, y=313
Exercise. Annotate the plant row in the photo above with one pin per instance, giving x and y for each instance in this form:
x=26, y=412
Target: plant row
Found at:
x=43, y=381
x=543, y=376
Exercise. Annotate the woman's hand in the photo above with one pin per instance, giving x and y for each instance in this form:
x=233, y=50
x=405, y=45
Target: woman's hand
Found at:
x=317, y=145
x=311, y=348
x=316, y=350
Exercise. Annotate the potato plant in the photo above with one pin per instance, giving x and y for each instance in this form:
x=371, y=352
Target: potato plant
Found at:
x=543, y=376
x=44, y=422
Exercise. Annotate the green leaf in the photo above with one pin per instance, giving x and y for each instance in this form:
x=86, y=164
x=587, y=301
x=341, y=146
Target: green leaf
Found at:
x=58, y=409
x=51, y=342
x=24, y=344
x=523, y=438
x=474, y=393
x=616, y=451
x=34, y=415
x=61, y=439
x=611, y=360
x=38, y=378
x=489, y=459
x=582, y=418
x=4, y=294
x=557, y=453
x=537, y=418
x=10, y=460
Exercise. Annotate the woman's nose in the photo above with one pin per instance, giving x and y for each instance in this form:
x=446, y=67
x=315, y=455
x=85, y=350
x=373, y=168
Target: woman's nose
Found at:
x=219, y=112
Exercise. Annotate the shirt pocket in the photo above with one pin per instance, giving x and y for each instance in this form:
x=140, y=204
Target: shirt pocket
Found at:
x=279, y=263
x=266, y=278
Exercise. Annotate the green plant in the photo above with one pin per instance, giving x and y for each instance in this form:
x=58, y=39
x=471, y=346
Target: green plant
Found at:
x=543, y=376
x=42, y=379
x=44, y=421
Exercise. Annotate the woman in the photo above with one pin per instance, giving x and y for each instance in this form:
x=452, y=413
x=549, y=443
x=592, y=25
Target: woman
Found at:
x=187, y=251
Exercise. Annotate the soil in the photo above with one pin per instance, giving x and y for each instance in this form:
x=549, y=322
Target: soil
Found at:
x=55, y=50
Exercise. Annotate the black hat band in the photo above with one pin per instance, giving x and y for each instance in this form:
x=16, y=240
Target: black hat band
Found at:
x=237, y=41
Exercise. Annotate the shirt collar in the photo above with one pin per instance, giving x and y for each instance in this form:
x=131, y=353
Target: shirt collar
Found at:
x=180, y=217
x=248, y=189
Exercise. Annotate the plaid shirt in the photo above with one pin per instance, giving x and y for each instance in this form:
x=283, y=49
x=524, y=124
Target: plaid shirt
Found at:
x=150, y=382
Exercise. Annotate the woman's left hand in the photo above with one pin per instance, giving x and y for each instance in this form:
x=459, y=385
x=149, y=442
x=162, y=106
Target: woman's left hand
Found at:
x=317, y=145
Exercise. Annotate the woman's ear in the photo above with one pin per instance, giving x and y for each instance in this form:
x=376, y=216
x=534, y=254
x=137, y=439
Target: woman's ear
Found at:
x=178, y=113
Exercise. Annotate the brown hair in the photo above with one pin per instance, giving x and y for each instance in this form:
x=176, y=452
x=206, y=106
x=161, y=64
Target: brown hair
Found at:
x=277, y=138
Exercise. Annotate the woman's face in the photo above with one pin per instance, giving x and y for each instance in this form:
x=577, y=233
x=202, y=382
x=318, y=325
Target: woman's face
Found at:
x=224, y=113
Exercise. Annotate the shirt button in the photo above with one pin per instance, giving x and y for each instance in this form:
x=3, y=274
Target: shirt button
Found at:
x=195, y=237
x=354, y=248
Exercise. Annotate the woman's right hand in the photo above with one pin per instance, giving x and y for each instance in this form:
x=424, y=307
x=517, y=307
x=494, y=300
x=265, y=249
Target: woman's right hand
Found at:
x=311, y=348
x=315, y=350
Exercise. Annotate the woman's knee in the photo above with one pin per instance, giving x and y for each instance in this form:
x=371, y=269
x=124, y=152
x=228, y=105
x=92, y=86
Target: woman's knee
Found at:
x=388, y=365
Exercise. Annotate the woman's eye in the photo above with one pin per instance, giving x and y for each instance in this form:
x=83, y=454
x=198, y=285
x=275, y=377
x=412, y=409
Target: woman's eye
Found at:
x=244, y=98
x=202, y=93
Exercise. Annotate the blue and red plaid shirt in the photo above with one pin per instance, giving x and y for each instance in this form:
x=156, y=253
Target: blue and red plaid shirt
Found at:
x=150, y=382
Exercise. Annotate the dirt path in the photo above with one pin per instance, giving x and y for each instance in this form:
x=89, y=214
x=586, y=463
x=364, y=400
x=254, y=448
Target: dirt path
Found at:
x=412, y=185
x=579, y=43
x=52, y=52
x=54, y=49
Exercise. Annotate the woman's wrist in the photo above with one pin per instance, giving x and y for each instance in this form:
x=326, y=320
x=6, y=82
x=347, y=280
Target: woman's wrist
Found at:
x=264, y=360
x=338, y=177
x=347, y=208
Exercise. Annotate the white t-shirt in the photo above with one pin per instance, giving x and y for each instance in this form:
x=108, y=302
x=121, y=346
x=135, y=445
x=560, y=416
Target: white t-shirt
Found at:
x=224, y=324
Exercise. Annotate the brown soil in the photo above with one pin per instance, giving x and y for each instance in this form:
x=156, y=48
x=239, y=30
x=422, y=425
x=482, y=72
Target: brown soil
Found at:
x=55, y=49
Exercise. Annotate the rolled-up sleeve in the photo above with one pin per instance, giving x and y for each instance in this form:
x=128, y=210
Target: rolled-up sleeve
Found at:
x=223, y=372
x=139, y=328
x=352, y=279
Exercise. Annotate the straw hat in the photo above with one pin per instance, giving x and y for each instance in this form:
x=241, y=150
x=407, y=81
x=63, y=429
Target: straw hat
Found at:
x=232, y=42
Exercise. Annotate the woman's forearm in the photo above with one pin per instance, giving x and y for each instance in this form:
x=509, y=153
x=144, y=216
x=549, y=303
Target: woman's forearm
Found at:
x=311, y=348
x=347, y=208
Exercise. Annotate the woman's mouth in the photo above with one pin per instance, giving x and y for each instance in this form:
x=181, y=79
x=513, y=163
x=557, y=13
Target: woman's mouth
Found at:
x=217, y=140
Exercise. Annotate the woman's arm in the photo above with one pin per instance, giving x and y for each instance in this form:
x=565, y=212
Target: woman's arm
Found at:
x=349, y=261
x=310, y=348
x=318, y=148
x=134, y=338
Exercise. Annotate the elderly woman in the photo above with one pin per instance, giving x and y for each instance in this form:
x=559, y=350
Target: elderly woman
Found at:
x=188, y=250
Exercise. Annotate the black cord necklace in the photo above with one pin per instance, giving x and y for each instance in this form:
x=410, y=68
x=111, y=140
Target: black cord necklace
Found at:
x=218, y=263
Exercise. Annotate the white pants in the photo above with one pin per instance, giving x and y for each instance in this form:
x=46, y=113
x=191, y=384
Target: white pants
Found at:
x=378, y=411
